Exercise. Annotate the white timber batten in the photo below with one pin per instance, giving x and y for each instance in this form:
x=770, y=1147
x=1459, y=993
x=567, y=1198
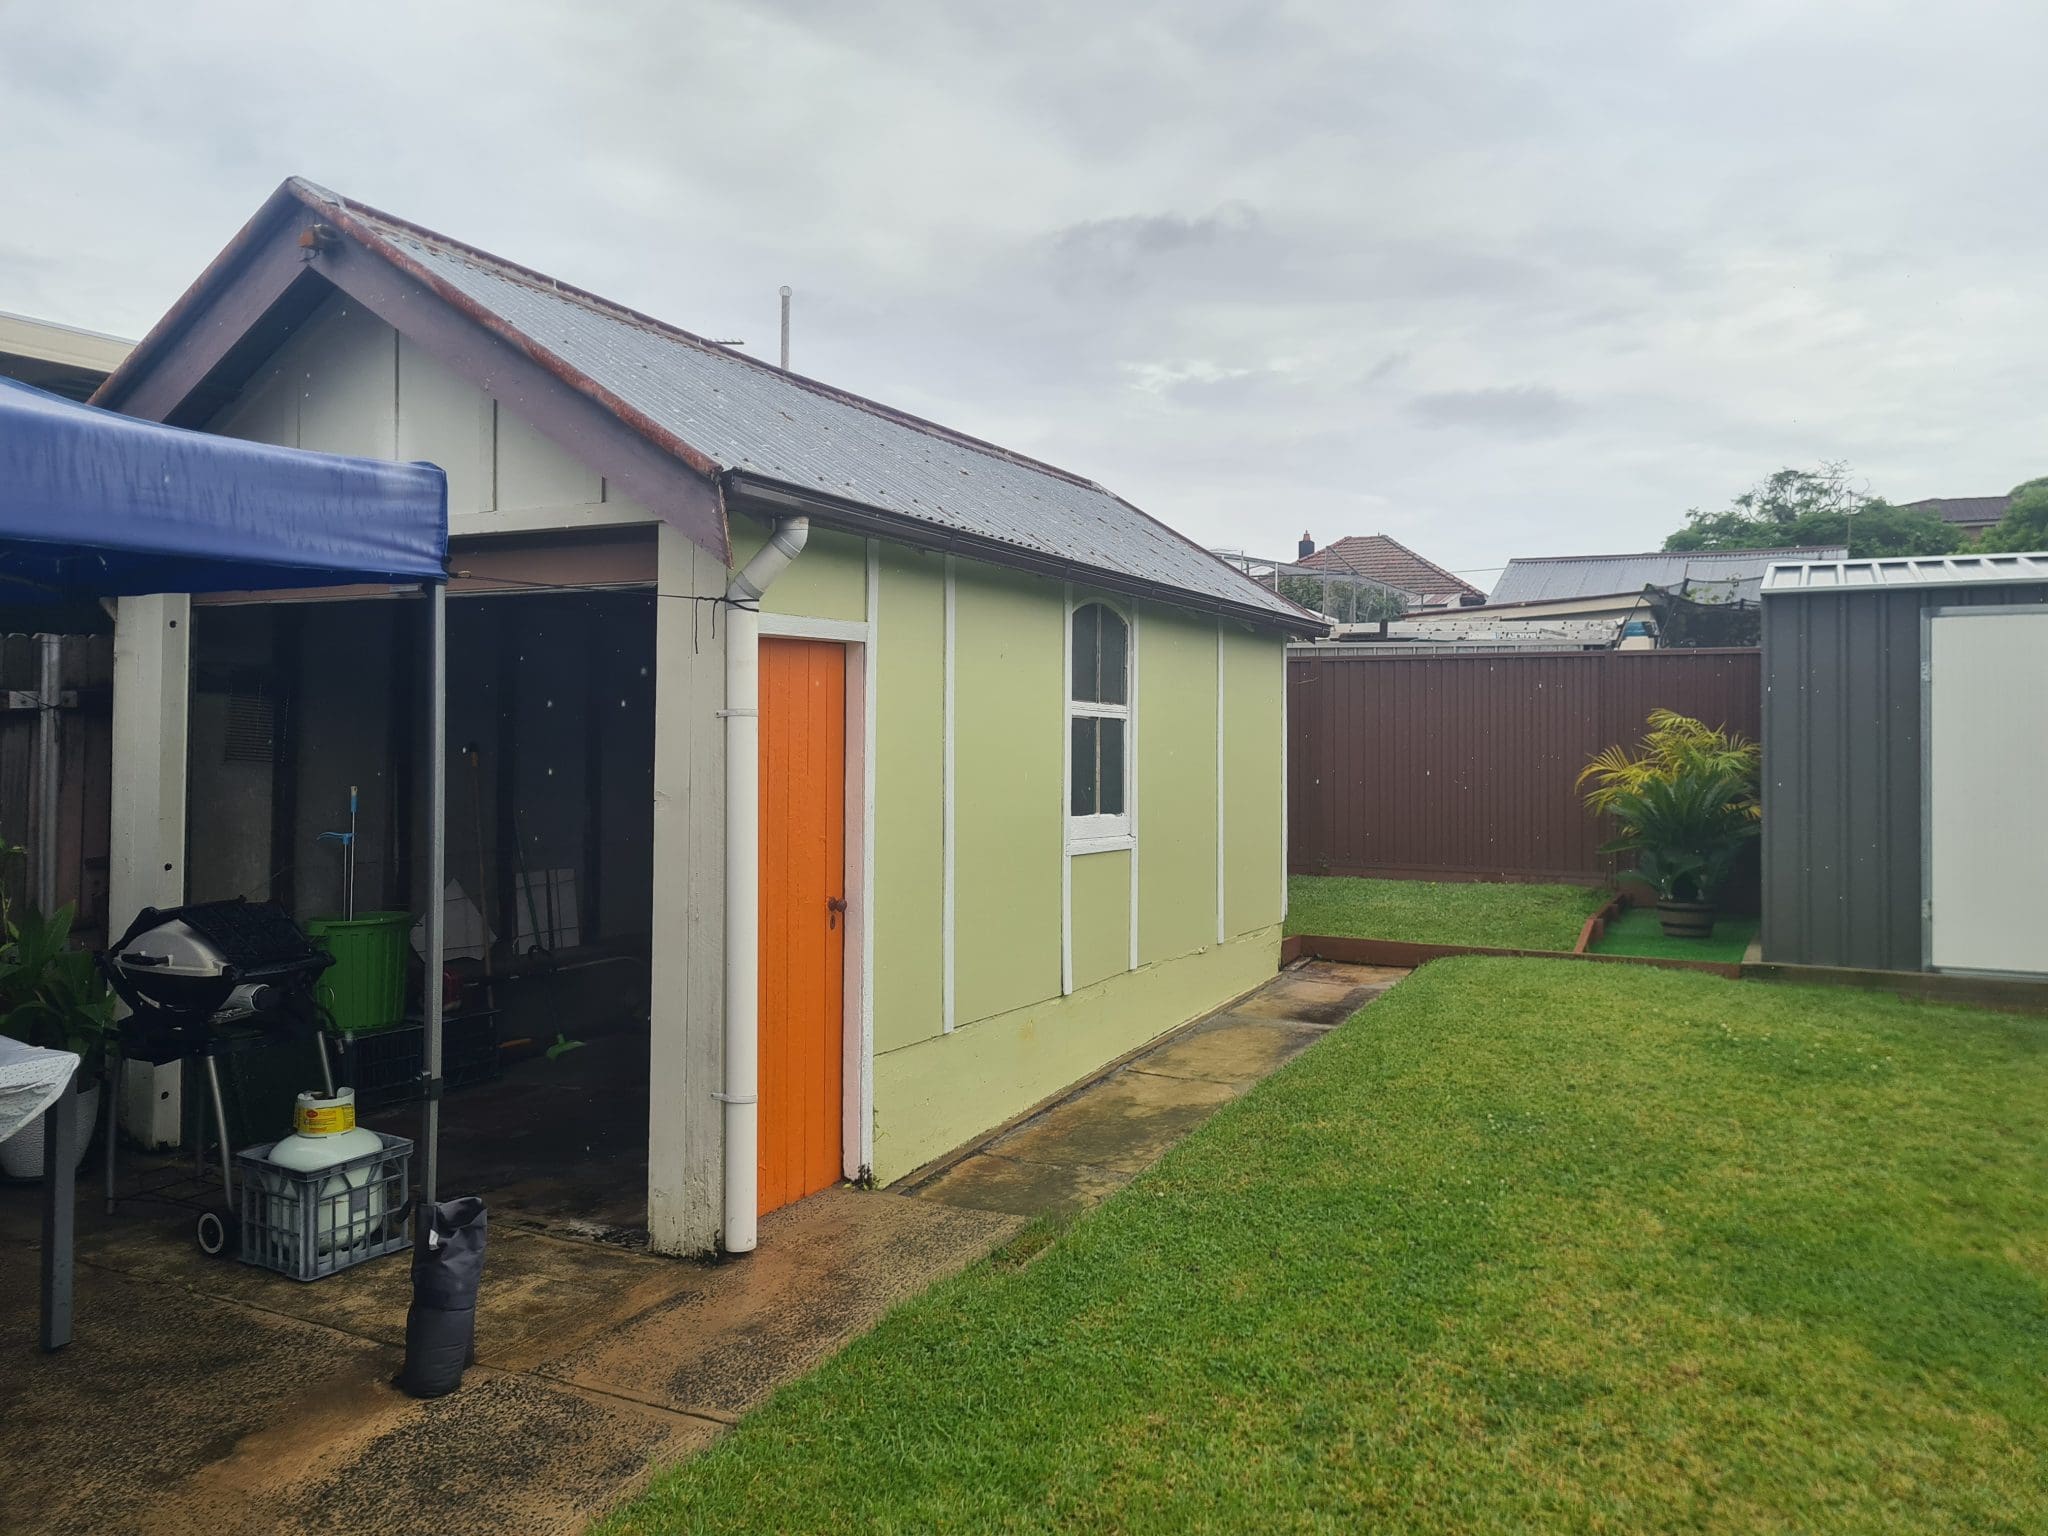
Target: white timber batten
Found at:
x=949, y=792
x=1131, y=774
x=146, y=811
x=1222, y=932
x=870, y=673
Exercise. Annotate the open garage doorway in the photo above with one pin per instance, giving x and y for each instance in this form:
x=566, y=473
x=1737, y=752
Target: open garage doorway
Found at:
x=302, y=735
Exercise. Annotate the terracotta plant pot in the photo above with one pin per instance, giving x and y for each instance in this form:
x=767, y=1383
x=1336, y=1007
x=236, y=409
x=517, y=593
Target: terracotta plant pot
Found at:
x=1686, y=919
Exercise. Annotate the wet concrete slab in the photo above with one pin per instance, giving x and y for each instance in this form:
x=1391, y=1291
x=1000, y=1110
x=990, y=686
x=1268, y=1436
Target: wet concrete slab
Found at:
x=825, y=1269
x=209, y=1397
x=990, y=1182
x=1079, y=1151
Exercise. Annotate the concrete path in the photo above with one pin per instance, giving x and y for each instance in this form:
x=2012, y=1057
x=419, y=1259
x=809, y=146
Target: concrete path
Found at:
x=210, y=1399
x=202, y=1397
x=1095, y=1140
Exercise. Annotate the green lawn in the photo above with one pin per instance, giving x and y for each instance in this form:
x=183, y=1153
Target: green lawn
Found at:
x=1528, y=1246
x=1425, y=912
x=1638, y=932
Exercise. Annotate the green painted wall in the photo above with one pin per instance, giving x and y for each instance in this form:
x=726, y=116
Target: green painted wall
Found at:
x=1254, y=699
x=1176, y=783
x=1008, y=756
x=1101, y=900
x=1017, y=1040
x=828, y=581
x=909, y=790
x=931, y=1097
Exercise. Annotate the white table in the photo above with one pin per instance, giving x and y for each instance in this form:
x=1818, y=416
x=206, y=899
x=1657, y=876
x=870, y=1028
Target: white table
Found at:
x=36, y=1081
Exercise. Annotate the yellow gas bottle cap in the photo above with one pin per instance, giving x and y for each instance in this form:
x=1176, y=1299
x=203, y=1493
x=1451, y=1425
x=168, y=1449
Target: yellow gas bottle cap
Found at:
x=318, y=1114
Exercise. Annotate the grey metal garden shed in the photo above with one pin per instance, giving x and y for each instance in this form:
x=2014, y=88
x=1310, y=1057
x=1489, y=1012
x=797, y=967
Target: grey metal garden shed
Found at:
x=1905, y=733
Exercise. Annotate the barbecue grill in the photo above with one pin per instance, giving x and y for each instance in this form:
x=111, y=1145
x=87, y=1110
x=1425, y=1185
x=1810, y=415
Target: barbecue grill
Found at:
x=208, y=979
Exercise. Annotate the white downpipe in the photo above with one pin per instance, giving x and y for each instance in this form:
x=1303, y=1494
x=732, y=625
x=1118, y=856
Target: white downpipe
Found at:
x=741, y=1096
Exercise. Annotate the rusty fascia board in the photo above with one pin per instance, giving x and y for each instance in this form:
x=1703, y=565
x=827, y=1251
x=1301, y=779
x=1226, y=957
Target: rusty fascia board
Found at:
x=218, y=308
x=767, y=497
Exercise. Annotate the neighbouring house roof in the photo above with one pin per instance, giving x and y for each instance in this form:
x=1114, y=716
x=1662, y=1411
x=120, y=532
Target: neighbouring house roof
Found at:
x=1904, y=572
x=62, y=359
x=1964, y=511
x=1393, y=564
x=773, y=438
x=1537, y=578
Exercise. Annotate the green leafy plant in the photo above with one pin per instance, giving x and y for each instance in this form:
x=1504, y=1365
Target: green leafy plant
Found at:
x=1684, y=803
x=51, y=995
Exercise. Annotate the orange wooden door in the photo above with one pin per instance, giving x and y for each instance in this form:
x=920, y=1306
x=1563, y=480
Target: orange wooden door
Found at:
x=803, y=921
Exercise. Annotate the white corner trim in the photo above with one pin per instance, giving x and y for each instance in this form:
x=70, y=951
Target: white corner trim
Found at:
x=1221, y=934
x=870, y=670
x=797, y=626
x=1066, y=718
x=1286, y=706
x=1131, y=772
x=948, y=793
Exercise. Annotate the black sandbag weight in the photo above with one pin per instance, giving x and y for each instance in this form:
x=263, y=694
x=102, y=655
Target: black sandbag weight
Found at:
x=440, y=1325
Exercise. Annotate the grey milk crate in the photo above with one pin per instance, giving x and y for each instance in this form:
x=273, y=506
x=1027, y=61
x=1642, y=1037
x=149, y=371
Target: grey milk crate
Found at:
x=309, y=1225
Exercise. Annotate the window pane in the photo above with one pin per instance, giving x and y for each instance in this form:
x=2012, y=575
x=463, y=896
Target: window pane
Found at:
x=1087, y=651
x=1109, y=775
x=1101, y=659
x=1112, y=678
x=1082, y=802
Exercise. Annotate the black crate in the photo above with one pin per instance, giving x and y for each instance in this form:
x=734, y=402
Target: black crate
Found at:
x=384, y=1067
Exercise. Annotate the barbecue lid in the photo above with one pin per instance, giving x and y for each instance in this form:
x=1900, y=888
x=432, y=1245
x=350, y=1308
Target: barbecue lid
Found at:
x=210, y=937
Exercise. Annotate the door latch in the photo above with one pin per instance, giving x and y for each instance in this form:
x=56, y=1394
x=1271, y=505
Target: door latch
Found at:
x=834, y=905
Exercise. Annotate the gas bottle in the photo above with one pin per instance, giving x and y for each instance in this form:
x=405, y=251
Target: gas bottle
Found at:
x=350, y=1205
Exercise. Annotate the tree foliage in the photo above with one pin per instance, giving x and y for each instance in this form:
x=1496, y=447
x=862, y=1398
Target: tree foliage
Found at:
x=1822, y=506
x=2025, y=526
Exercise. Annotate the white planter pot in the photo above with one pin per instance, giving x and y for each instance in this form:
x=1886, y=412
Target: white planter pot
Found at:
x=21, y=1155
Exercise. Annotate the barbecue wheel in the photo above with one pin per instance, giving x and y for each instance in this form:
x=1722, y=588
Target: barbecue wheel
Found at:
x=214, y=1233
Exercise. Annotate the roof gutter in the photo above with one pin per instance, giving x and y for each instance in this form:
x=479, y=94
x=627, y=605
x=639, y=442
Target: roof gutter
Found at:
x=772, y=498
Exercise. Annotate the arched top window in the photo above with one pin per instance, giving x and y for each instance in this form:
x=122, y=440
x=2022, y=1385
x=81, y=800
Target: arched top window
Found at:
x=1098, y=727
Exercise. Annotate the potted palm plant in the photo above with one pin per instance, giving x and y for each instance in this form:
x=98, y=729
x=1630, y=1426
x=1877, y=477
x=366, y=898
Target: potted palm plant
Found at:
x=54, y=996
x=1684, y=803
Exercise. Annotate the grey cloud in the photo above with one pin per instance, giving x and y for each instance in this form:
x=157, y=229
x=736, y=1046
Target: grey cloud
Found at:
x=1519, y=410
x=1119, y=255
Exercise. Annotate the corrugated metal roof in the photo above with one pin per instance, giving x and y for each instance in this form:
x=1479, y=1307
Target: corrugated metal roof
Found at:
x=1546, y=577
x=1904, y=572
x=743, y=414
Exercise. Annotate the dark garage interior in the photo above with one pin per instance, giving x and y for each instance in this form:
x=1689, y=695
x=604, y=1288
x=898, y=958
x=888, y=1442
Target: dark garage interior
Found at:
x=549, y=868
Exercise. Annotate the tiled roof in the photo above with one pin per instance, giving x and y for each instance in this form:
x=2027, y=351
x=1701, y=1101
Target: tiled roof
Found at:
x=1964, y=511
x=1393, y=563
x=745, y=415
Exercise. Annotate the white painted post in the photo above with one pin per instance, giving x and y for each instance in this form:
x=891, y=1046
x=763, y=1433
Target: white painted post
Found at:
x=146, y=846
x=685, y=1167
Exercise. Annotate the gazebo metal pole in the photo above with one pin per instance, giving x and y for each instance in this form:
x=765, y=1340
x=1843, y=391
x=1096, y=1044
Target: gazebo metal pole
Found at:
x=437, y=882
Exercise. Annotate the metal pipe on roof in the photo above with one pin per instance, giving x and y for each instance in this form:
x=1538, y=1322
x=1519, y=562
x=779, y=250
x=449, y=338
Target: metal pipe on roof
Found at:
x=785, y=327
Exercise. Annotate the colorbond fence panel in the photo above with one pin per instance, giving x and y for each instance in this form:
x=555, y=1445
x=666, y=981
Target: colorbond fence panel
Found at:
x=1463, y=767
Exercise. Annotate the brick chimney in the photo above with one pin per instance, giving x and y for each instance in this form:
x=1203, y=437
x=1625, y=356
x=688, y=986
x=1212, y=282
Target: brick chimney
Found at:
x=1307, y=546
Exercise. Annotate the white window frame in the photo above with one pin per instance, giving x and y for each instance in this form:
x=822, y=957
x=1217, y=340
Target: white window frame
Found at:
x=1100, y=834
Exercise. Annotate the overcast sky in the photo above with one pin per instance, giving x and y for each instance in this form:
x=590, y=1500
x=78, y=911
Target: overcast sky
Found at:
x=1493, y=278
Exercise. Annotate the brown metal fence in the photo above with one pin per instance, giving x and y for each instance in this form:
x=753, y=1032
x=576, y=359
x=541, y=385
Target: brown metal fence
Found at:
x=85, y=772
x=1463, y=767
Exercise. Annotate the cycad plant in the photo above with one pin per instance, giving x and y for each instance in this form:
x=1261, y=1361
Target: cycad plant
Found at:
x=1683, y=803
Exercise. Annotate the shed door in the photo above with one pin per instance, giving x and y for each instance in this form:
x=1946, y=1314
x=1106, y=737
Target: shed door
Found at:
x=803, y=920
x=1987, y=790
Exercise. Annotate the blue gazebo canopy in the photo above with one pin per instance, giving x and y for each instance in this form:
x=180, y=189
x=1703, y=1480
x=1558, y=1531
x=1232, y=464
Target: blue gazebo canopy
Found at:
x=96, y=504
